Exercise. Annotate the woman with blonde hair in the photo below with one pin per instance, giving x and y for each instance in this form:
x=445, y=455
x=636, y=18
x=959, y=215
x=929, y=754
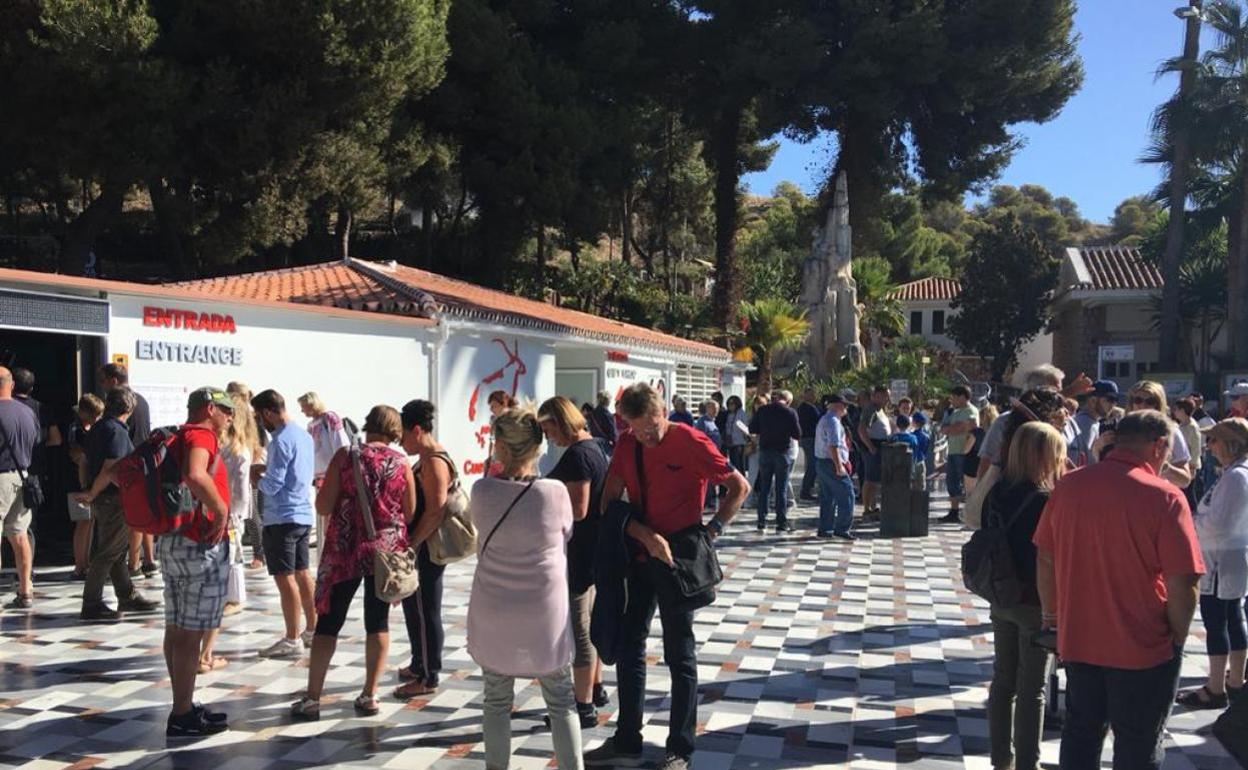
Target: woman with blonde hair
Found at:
x=1035, y=461
x=987, y=416
x=240, y=445
x=583, y=470
x=252, y=525
x=1147, y=394
x=521, y=585
x=1222, y=527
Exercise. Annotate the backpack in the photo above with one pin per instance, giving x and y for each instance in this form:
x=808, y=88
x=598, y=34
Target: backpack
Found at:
x=988, y=568
x=456, y=537
x=154, y=494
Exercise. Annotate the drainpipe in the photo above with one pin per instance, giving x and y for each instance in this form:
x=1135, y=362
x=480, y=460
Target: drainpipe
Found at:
x=435, y=369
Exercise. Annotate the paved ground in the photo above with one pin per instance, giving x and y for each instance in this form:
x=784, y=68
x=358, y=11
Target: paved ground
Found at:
x=816, y=654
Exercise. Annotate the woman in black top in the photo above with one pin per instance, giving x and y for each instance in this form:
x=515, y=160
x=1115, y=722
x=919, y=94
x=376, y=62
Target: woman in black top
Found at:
x=583, y=469
x=1036, y=460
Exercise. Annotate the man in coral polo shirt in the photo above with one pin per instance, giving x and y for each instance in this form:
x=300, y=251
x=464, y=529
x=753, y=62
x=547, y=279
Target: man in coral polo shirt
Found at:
x=679, y=461
x=1117, y=571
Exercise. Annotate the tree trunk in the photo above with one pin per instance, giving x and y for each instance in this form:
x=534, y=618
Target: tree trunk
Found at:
x=1172, y=259
x=541, y=256
x=626, y=231
x=864, y=157
x=86, y=227
x=726, y=152
x=342, y=231
x=1237, y=277
x=168, y=227
x=764, y=372
x=574, y=255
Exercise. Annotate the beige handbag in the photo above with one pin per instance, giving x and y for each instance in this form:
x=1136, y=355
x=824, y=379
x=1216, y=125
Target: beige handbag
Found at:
x=394, y=573
x=456, y=537
x=973, y=507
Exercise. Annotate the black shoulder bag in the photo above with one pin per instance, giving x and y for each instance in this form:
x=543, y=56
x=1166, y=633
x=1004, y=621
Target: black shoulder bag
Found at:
x=32, y=490
x=689, y=584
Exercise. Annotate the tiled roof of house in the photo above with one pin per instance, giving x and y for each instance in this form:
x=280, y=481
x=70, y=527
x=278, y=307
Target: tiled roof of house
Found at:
x=1113, y=268
x=398, y=289
x=927, y=289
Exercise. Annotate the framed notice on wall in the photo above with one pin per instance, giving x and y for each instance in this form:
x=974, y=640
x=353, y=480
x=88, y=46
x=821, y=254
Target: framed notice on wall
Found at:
x=167, y=402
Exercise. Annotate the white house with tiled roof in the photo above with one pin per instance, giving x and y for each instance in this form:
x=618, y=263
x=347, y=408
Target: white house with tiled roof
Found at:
x=927, y=306
x=358, y=333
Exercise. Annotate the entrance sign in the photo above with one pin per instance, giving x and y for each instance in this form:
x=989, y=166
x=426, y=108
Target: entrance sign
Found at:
x=185, y=353
x=52, y=313
x=173, y=318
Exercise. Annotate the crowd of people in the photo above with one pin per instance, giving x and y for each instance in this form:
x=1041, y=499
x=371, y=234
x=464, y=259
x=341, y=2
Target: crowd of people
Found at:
x=1094, y=499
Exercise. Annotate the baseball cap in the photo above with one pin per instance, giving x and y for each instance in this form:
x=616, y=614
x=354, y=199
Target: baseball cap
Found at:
x=833, y=398
x=1230, y=429
x=1238, y=388
x=1105, y=389
x=209, y=395
x=849, y=394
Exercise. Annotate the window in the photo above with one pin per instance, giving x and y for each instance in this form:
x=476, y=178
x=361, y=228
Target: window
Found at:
x=938, y=322
x=916, y=321
x=696, y=384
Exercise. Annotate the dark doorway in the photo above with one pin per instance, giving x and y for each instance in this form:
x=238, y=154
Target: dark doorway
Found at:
x=63, y=365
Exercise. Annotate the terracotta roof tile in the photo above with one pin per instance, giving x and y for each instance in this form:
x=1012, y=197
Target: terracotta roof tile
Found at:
x=927, y=289
x=401, y=290
x=1118, y=268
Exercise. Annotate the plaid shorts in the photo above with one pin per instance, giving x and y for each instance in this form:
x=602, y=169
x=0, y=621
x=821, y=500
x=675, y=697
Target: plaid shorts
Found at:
x=196, y=581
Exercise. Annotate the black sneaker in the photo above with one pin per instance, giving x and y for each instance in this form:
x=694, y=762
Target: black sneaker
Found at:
x=608, y=754
x=21, y=602
x=762, y=529
x=844, y=536
x=586, y=714
x=601, y=699
x=137, y=603
x=193, y=724
x=149, y=569
x=99, y=612
x=953, y=517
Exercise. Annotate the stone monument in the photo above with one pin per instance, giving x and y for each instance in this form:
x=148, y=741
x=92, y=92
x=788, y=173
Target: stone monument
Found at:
x=829, y=294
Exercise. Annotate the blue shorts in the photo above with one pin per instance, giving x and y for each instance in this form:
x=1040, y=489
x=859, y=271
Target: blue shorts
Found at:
x=871, y=465
x=955, y=475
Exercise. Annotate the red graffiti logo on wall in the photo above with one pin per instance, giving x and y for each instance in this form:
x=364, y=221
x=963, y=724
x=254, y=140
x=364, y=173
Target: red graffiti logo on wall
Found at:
x=513, y=364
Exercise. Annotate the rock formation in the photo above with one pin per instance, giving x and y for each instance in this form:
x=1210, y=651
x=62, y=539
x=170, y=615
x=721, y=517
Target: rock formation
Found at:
x=829, y=293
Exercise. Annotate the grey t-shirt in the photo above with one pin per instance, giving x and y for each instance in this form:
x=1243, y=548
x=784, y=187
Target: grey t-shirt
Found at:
x=19, y=430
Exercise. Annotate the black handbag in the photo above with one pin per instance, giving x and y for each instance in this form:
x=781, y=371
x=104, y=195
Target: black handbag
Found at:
x=690, y=583
x=32, y=490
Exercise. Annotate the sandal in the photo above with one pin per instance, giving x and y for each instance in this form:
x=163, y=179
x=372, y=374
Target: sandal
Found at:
x=367, y=704
x=414, y=689
x=306, y=708
x=406, y=674
x=1201, y=698
x=210, y=666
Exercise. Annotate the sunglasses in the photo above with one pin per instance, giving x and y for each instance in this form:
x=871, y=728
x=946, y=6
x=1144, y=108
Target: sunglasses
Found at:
x=1143, y=400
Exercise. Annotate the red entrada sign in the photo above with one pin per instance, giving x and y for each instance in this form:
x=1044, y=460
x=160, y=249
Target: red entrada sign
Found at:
x=172, y=318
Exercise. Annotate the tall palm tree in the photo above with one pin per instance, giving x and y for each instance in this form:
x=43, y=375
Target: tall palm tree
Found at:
x=1215, y=116
x=880, y=311
x=769, y=326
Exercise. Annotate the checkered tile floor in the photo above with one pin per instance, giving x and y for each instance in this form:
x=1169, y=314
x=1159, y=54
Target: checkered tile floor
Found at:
x=817, y=654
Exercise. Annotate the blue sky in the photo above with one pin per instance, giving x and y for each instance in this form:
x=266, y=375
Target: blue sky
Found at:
x=1089, y=151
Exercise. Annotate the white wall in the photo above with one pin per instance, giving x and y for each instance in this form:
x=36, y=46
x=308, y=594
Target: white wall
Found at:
x=1038, y=351
x=353, y=364
x=658, y=374
x=474, y=365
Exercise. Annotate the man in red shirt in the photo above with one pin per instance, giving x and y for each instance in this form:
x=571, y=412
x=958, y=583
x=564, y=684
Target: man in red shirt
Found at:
x=1117, y=569
x=679, y=461
x=1238, y=398
x=196, y=561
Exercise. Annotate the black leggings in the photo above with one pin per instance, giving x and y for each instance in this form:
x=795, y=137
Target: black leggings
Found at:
x=376, y=612
x=423, y=613
x=1224, y=624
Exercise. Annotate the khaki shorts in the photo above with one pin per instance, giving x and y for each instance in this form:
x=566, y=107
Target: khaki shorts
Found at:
x=13, y=511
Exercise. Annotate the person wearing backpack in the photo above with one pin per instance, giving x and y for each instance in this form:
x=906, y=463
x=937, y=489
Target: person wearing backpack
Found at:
x=106, y=443
x=521, y=585
x=1036, y=460
x=435, y=472
x=196, y=559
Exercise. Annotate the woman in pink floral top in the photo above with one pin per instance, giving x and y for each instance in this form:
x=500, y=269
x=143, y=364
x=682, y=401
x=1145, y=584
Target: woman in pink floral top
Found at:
x=347, y=554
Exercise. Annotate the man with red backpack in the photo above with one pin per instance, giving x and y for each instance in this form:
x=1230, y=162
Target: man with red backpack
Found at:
x=195, y=559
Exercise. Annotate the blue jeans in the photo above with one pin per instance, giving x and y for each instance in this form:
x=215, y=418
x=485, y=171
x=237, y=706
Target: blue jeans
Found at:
x=955, y=476
x=836, y=499
x=1134, y=703
x=773, y=469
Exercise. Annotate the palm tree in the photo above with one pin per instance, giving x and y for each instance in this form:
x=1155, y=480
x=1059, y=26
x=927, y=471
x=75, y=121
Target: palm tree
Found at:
x=769, y=326
x=1215, y=117
x=880, y=312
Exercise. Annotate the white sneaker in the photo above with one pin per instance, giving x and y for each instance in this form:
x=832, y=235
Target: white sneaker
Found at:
x=307, y=637
x=283, y=648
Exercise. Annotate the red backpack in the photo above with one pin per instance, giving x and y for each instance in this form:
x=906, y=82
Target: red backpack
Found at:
x=154, y=494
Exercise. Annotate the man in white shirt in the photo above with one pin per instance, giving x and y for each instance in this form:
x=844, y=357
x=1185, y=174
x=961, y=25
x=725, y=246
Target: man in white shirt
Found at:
x=836, y=487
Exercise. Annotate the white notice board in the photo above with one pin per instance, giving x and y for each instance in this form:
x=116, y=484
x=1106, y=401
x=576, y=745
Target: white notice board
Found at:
x=167, y=402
